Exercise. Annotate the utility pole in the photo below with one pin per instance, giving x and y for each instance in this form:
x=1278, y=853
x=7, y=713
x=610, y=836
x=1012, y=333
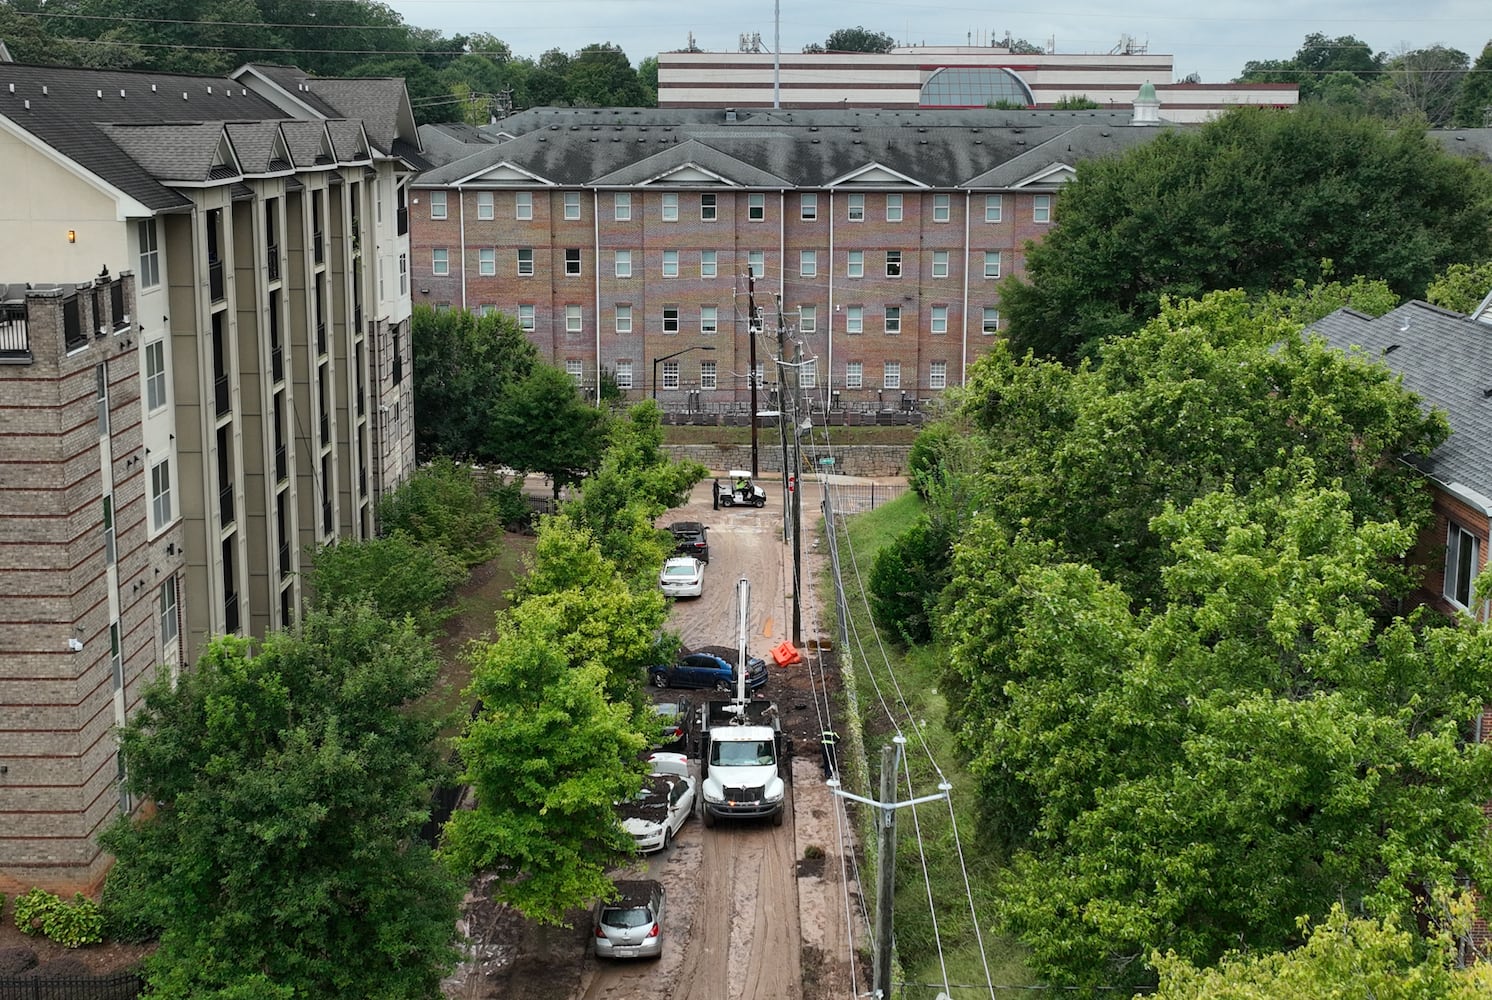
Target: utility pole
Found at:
x=886, y=860
x=751, y=362
x=787, y=411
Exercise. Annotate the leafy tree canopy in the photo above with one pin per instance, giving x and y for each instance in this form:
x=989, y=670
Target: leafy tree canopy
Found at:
x=542, y=425
x=1474, y=105
x=1461, y=287
x=444, y=505
x=399, y=576
x=1254, y=200
x=858, y=39
x=292, y=783
x=464, y=365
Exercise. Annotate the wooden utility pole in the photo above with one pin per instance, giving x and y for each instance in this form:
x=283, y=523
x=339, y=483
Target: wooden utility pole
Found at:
x=751, y=362
x=886, y=867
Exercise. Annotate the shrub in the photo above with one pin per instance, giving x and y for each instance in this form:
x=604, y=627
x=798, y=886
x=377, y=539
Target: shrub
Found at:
x=74, y=924
x=442, y=505
x=129, y=914
x=32, y=908
x=401, y=576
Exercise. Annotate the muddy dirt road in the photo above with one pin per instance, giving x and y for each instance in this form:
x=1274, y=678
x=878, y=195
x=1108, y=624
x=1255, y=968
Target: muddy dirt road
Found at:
x=754, y=912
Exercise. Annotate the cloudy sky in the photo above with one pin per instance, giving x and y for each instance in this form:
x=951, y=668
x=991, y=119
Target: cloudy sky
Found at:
x=1214, y=40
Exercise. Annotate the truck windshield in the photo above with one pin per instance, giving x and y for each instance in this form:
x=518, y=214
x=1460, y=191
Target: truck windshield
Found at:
x=744, y=753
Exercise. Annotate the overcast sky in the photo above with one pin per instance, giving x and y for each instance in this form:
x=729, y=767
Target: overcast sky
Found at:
x=1215, y=45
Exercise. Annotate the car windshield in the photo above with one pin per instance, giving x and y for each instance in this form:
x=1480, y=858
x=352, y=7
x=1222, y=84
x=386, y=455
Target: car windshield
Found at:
x=739, y=754
x=630, y=916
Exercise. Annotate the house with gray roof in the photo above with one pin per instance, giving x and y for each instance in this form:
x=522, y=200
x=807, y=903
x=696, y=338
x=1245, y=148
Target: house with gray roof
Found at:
x=204, y=308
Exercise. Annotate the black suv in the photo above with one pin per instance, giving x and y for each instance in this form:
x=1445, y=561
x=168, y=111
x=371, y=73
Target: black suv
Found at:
x=690, y=538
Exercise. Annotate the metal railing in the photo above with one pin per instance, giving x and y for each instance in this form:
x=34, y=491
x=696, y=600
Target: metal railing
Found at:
x=116, y=306
x=220, y=394
x=73, y=336
x=230, y=613
x=403, y=218
x=282, y=464
x=15, y=336
x=277, y=362
x=318, y=247
x=321, y=337
x=109, y=986
x=215, y=282
x=225, y=505
x=272, y=261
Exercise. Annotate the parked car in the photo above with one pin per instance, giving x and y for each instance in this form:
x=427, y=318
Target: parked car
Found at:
x=631, y=926
x=690, y=538
x=662, y=805
x=673, y=722
x=706, y=669
x=682, y=576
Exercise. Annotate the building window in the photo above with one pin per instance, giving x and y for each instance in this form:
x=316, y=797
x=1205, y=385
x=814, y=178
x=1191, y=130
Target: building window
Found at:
x=993, y=205
x=487, y=262
x=160, y=494
x=893, y=208
x=484, y=206
x=855, y=208
x=807, y=319
x=991, y=320
x=523, y=205
x=437, y=204
x=572, y=206
x=707, y=208
x=624, y=263
x=1461, y=565
x=167, y=605
x=525, y=262
x=893, y=263
x=526, y=316
x=624, y=319
x=575, y=368
x=670, y=206
x=403, y=274
x=942, y=207
x=670, y=263
x=670, y=374
x=572, y=260
x=808, y=374
x=670, y=319
x=856, y=268
x=854, y=375
x=572, y=319
x=854, y=319
x=756, y=260
x=939, y=319
x=487, y=309
x=808, y=207
x=440, y=262
x=155, y=374
x=893, y=319
x=624, y=374
x=891, y=375
x=709, y=319
x=707, y=263
x=937, y=375
x=707, y=375
x=991, y=263
x=1041, y=208
x=621, y=206
x=808, y=263
x=756, y=207
x=150, y=255
x=940, y=264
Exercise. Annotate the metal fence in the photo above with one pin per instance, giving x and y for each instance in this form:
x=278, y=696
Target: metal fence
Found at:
x=114, y=986
x=859, y=497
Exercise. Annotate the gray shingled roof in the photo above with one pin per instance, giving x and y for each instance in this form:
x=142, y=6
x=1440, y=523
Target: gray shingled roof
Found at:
x=1473, y=142
x=772, y=153
x=348, y=140
x=374, y=100
x=307, y=141
x=67, y=116
x=1445, y=359
x=254, y=142
x=176, y=152
x=540, y=118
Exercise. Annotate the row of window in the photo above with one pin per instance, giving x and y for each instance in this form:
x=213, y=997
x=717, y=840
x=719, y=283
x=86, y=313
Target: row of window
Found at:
x=756, y=207
x=709, y=263
x=670, y=377
x=709, y=319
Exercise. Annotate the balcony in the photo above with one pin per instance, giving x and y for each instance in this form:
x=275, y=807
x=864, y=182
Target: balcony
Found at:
x=116, y=306
x=230, y=613
x=398, y=369
x=282, y=464
x=403, y=220
x=73, y=336
x=362, y=482
x=220, y=394
x=326, y=518
x=272, y=262
x=321, y=338
x=284, y=559
x=318, y=247
x=225, y=505
x=277, y=362
x=15, y=337
x=215, y=279
x=326, y=430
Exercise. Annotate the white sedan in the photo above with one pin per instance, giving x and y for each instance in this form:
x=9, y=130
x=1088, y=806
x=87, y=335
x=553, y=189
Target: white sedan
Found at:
x=661, y=807
x=682, y=576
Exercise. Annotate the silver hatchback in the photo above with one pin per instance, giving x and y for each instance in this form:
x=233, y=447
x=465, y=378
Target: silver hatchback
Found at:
x=631, y=926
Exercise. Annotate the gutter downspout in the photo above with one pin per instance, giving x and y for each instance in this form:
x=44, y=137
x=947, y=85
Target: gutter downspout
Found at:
x=461, y=218
x=829, y=319
x=596, y=268
x=963, y=363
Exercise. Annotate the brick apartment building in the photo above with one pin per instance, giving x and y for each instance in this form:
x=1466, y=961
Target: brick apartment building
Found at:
x=203, y=358
x=636, y=241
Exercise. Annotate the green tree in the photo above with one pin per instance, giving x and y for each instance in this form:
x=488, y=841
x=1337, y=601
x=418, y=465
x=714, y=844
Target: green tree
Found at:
x=1254, y=200
x=1318, y=59
x=647, y=78
x=283, y=859
x=1342, y=956
x=1474, y=105
x=464, y=365
x=1461, y=287
x=601, y=76
x=1426, y=83
x=858, y=39
x=399, y=576
x=443, y=505
x=906, y=579
x=542, y=425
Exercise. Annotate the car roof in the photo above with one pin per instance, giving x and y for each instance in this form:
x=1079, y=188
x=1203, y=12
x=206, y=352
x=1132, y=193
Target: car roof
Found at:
x=726, y=653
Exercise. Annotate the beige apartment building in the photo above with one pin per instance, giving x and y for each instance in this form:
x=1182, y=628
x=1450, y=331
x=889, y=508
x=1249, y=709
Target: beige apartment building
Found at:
x=207, y=375
x=663, y=248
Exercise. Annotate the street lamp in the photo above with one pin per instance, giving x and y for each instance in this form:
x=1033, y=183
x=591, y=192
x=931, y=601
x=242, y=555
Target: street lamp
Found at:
x=696, y=347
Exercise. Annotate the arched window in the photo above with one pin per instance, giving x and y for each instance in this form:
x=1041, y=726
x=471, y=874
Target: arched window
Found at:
x=974, y=87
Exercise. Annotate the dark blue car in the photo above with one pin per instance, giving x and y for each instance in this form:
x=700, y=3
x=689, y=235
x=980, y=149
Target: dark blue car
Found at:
x=708, y=670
